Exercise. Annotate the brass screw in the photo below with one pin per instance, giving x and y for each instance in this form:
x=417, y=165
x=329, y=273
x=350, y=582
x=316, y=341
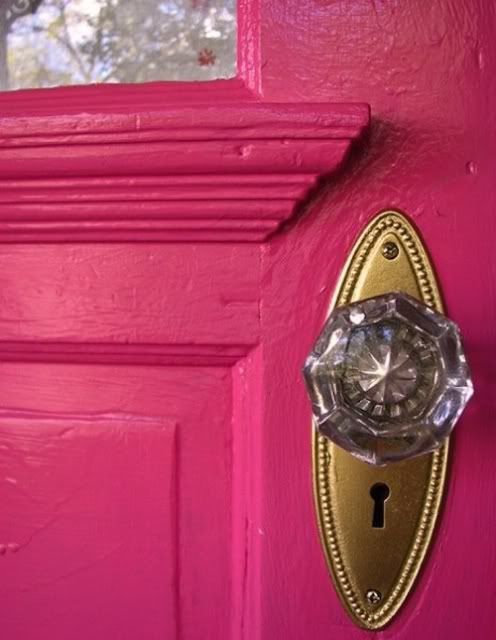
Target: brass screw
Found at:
x=390, y=250
x=373, y=596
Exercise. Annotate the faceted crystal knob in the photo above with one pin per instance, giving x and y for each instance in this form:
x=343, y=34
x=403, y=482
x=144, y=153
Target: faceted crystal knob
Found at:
x=387, y=378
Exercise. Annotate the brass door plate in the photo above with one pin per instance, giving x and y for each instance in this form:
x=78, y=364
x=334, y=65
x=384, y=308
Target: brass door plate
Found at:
x=374, y=567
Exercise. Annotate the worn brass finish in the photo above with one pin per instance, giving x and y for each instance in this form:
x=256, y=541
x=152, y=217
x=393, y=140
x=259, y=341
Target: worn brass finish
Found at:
x=374, y=568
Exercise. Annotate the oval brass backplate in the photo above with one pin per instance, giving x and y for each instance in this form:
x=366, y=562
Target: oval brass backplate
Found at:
x=374, y=567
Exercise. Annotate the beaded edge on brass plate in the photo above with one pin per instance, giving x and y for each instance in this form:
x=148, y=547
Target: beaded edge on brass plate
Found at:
x=385, y=223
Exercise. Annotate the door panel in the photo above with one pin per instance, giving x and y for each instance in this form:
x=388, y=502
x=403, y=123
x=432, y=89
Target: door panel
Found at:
x=139, y=506
x=88, y=549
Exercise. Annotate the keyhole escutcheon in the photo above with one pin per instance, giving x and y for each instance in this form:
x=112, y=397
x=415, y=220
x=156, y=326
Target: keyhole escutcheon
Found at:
x=379, y=493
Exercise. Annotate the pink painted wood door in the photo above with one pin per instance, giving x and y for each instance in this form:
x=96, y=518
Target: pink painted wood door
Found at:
x=168, y=253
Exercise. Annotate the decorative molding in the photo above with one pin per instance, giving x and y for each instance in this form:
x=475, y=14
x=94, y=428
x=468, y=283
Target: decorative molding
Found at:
x=209, y=172
x=123, y=354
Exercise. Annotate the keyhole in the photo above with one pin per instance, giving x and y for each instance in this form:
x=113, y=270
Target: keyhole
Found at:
x=379, y=493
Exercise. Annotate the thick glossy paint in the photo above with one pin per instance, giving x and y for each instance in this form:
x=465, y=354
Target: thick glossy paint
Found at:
x=76, y=530
x=168, y=257
x=428, y=71
x=99, y=324
x=211, y=172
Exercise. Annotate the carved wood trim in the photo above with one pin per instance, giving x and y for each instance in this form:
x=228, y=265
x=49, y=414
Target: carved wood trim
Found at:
x=123, y=354
x=208, y=172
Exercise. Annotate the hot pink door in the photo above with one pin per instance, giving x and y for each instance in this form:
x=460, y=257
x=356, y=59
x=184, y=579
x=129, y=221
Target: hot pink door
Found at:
x=168, y=256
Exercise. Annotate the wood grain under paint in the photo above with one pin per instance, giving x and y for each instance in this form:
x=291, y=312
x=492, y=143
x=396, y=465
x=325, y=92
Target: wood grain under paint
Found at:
x=130, y=294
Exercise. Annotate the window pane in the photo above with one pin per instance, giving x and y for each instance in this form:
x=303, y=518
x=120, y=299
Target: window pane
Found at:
x=46, y=43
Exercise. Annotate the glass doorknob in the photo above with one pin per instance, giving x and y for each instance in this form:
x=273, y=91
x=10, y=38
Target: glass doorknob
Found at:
x=387, y=378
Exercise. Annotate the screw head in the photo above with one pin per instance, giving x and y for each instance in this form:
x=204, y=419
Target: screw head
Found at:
x=390, y=250
x=373, y=596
